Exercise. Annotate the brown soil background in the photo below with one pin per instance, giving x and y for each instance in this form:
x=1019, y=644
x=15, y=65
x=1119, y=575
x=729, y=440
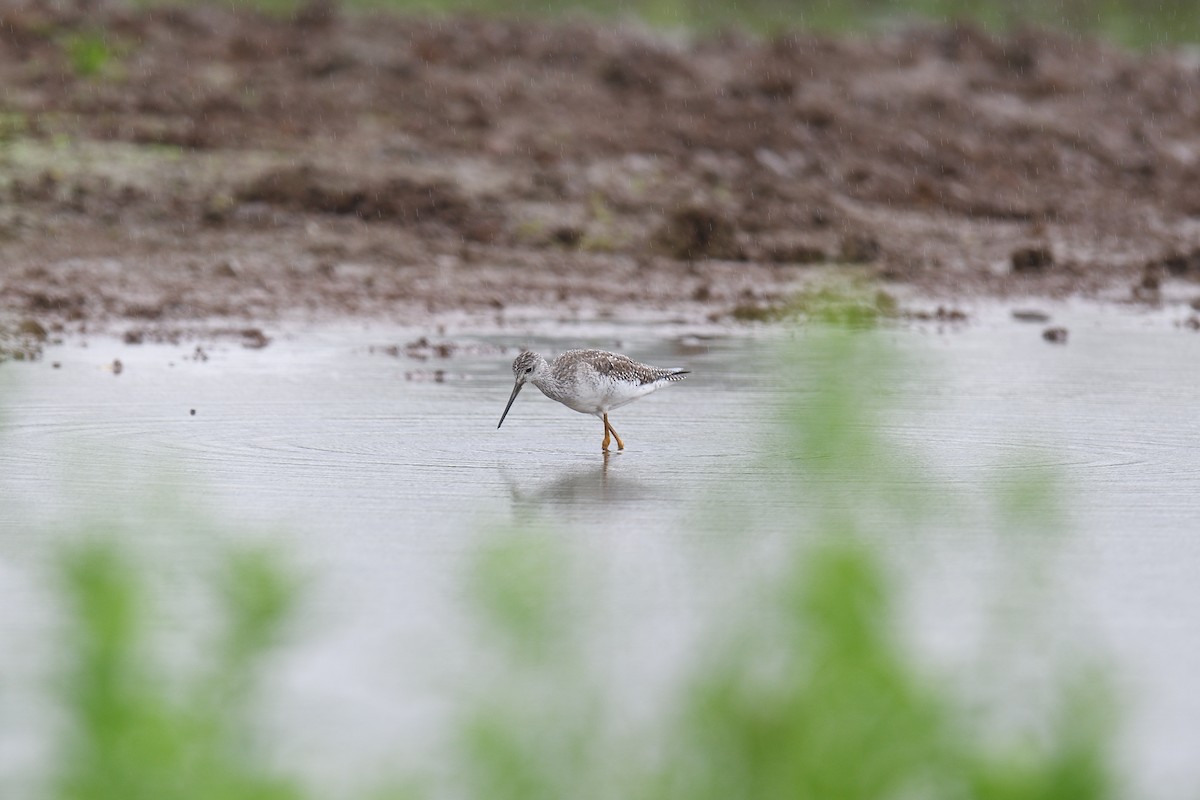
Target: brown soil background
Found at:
x=229, y=164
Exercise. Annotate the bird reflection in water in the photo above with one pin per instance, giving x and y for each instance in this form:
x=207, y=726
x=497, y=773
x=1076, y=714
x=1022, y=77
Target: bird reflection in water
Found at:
x=603, y=484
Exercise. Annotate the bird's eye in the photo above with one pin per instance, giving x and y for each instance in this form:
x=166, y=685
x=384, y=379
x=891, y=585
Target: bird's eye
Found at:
x=528, y=370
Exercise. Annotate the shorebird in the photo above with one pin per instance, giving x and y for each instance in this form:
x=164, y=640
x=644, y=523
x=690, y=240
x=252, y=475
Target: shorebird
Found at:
x=590, y=382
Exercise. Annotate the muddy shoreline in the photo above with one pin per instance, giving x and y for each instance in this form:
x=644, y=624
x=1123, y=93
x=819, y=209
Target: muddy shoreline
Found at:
x=224, y=164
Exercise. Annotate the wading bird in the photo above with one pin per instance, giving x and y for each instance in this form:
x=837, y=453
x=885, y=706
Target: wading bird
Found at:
x=590, y=382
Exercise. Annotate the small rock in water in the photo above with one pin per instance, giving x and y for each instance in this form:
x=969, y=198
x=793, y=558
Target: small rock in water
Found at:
x=1032, y=260
x=1055, y=335
x=254, y=339
x=117, y=366
x=1030, y=315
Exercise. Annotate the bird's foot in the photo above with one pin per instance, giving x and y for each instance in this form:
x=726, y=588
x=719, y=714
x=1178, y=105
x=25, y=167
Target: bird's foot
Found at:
x=609, y=429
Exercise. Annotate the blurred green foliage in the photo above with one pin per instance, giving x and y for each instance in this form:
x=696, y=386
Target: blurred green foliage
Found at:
x=136, y=729
x=843, y=712
x=804, y=687
x=88, y=52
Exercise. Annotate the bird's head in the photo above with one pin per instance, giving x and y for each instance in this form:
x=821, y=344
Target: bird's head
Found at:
x=527, y=366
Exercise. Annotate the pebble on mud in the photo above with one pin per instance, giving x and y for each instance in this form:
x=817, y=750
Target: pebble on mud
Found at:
x=32, y=329
x=886, y=304
x=567, y=235
x=218, y=208
x=1178, y=264
x=694, y=232
x=254, y=339
x=1055, y=335
x=1148, y=289
x=859, y=249
x=1151, y=278
x=1032, y=260
x=790, y=251
x=225, y=269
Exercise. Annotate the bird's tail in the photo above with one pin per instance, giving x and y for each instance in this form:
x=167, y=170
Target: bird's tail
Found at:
x=676, y=374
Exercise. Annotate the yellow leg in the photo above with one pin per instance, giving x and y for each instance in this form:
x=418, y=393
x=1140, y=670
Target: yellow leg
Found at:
x=609, y=429
x=604, y=444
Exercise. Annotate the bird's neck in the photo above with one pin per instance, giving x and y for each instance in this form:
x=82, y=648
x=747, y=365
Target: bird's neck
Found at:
x=549, y=384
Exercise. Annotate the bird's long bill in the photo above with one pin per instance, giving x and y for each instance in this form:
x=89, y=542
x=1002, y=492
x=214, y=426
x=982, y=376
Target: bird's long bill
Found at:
x=516, y=390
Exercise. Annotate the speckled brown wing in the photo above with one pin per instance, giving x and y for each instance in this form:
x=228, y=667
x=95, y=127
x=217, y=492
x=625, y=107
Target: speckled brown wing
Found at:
x=616, y=367
x=626, y=369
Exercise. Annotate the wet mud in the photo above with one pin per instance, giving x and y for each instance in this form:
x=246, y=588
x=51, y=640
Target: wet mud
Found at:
x=219, y=163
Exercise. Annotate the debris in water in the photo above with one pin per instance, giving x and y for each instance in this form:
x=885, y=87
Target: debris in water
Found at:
x=1032, y=260
x=254, y=339
x=942, y=314
x=1055, y=335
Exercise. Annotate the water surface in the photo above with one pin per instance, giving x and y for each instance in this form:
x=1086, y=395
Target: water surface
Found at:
x=380, y=472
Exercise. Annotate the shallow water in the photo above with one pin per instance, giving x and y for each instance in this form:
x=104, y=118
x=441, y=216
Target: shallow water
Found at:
x=380, y=477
